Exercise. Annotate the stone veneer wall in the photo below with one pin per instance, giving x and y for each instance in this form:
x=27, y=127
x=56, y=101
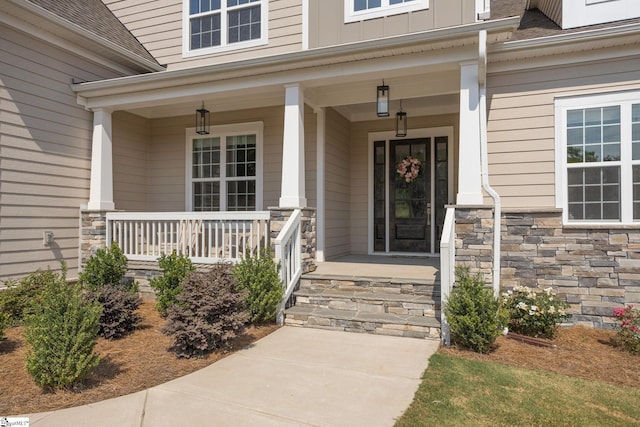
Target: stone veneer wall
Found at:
x=93, y=233
x=280, y=216
x=595, y=269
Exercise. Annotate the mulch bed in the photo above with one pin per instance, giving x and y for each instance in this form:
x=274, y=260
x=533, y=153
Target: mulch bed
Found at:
x=128, y=365
x=575, y=351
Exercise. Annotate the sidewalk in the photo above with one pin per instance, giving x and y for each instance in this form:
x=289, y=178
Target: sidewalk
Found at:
x=293, y=377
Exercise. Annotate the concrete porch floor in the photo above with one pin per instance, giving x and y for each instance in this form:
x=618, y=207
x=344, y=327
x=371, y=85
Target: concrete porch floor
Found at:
x=380, y=266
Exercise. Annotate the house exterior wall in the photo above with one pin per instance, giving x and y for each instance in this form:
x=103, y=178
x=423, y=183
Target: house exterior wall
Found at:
x=45, y=152
x=131, y=136
x=327, y=25
x=337, y=173
x=159, y=29
x=158, y=149
x=521, y=123
x=359, y=167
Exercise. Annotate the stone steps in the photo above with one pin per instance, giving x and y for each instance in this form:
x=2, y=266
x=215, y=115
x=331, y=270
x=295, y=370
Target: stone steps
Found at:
x=385, y=306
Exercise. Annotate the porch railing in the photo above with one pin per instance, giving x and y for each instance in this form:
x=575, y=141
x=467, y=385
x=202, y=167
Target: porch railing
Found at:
x=447, y=269
x=288, y=252
x=205, y=237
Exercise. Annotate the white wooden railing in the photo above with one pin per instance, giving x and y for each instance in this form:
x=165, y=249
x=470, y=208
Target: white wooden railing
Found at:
x=288, y=252
x=447, y=269
x=205, y=237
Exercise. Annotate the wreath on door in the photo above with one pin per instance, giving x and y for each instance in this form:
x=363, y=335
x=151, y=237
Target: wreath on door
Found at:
x=409, y=168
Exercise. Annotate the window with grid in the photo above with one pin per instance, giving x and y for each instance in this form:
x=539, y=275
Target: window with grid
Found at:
x=358, y=10
x=224, y=172
x=601, y=146
x=215, y=24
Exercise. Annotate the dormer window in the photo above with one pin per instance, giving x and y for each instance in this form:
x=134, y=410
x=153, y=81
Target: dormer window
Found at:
x=360, y=10
x=210, y=26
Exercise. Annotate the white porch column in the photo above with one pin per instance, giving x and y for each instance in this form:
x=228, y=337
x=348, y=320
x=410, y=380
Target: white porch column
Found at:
x=320, y=177
x=101, y=186
x=469, y=179
x=292, y=193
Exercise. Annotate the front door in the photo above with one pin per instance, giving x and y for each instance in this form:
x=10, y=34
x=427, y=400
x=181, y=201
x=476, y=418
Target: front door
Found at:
x=409, y=196
x=411, y=187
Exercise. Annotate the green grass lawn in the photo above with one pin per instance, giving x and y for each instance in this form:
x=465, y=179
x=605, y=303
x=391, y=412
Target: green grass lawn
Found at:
x=460, y=392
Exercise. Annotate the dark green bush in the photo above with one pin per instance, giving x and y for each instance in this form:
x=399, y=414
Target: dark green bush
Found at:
x=4, y=324
x=62, y=333
x=175, y=268
x=258, y=274
x=474, y=314
x=209, y=313
x=106, y=267
x=20, y=297
x=119, y=307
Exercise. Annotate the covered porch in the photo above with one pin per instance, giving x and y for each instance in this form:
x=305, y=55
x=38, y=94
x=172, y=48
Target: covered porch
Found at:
x=300, y=132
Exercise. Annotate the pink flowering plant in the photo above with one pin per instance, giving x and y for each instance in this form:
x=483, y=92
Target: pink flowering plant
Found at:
x=628, y=329
x=409, y=168
x=534, y=312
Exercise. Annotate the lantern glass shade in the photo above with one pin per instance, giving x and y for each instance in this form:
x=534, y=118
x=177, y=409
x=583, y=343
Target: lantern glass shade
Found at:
x=203, y=121
x=382, y=101
x=401, y=124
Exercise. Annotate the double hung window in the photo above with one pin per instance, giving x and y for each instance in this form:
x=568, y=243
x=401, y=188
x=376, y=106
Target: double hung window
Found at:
x=213, y=25
x=599, y=143
x=358, y=10
x=224, y=169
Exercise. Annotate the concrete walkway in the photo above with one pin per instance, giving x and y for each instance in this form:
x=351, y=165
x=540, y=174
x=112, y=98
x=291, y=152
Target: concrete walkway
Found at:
x=293, y=377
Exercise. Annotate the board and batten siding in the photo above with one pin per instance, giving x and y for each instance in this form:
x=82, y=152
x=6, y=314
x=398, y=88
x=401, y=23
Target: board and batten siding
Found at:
x=45, y=153
x=158, y=26
x=337, y=176
x=521, y=123
x=327, y=26
x=359, y=167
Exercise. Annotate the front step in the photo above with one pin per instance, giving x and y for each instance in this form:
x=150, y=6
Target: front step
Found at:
x=357, y=321
x=398, y=307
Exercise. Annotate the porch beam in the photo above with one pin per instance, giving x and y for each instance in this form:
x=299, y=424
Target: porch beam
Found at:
x=469, y=179
x=292, y=192
x=101, y=184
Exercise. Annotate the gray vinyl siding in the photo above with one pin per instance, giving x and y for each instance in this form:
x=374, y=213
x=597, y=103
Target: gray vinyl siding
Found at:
x=158, y=26
x=521, y=123
x=327, y=26
x=45, y=151
x=337, y=189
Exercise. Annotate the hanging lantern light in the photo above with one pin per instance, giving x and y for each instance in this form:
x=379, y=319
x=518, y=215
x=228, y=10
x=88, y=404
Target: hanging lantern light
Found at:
x=382, y=100
x=203, y=120
x=401, y=123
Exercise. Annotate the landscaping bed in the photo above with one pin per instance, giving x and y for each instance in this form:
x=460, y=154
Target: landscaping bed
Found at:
x=577, y=351
x=133, y=363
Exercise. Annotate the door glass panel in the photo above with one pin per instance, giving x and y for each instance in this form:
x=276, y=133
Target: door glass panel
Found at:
x=379, y=201
x=441, y=185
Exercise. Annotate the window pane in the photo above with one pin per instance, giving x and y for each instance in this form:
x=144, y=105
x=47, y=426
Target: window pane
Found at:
x=611, y=115
x=611, y=152
x=636, y=192
x=575, y=118
x=244, y=24
x=594, y=193
x=575, y=136
x=592, y=116
x=611, y=133
x=575, y=155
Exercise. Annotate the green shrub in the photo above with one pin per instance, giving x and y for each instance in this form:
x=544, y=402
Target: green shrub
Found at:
x=532, y=312
x=258, y=274
x=62, y=334
x=20, y=297
x=175, y=268
x=209, y=313
x=106, y=267
x=474, y=314
x=4, y=324
x=119, y=307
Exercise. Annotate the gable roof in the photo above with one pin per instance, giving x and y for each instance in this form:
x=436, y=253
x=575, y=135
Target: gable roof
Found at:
x=535, y=24
x=95, y=17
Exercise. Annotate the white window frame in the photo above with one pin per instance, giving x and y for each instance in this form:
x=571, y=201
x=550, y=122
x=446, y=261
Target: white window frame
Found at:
x=222, y=132
x=623, y=99
x=386, y=9
x=224, y=46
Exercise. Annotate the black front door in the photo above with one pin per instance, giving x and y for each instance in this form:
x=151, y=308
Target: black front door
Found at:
x=410, y=195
